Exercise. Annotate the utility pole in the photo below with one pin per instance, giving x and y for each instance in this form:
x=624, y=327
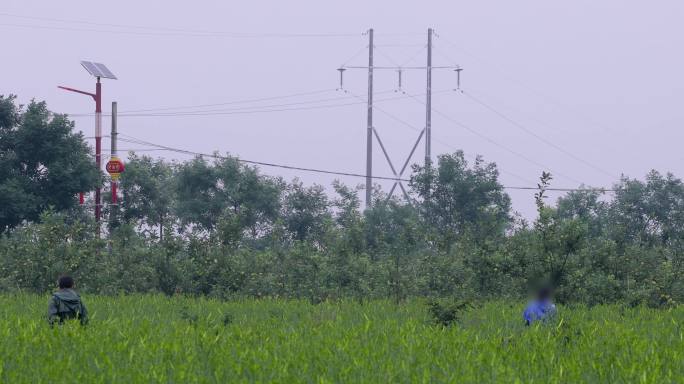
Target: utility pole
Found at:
x=114, y=206
x=428, y=102
x=114, y=167
x=114, y=137
x=369, y=133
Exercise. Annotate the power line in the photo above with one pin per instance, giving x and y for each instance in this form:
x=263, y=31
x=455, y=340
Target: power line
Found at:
x=563, y=189
x=354, y=56
x=323, y=171
x=413, y=56
x=290, y=167
x=245, y=101
x=162, y=31
x=492, y=141
x=394, y=117
x=161, y=111
x=250, y=110
x=399, y=45
x=159, y=147
x=383, y=54
x=115, y=32
x=135, y=150
x=227, y=112
x=172, y=31
x=532, y=133
x=520, y=125
x=520, y=83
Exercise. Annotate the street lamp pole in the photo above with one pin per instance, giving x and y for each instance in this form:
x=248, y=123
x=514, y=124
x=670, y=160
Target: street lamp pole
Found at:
x=97, y=96
x=97, y=70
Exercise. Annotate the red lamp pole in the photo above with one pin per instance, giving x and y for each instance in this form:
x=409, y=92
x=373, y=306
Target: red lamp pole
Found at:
x=98, y=145
x=97, y=96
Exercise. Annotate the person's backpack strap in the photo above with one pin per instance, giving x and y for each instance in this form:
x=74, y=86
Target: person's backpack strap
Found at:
x=57, y=301
x=58, y=305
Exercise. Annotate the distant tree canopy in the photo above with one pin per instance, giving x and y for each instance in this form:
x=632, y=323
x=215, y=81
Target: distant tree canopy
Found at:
x=459, y=200
x=43, y=163
x=219, y=227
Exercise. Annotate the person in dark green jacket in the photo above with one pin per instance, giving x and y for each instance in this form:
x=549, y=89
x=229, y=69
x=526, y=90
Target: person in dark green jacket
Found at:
x=66, y=304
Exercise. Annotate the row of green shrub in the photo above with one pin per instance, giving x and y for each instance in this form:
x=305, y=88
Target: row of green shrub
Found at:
x=32, y=257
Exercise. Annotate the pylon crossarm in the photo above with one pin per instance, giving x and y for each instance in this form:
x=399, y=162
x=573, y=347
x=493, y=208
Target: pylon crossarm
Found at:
x=402, y=68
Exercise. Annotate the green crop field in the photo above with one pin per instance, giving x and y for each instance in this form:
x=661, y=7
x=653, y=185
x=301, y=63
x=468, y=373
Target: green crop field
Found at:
x=142, y=339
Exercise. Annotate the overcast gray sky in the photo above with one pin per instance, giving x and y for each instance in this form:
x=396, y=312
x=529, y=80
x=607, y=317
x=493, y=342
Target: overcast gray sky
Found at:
x=600, y=82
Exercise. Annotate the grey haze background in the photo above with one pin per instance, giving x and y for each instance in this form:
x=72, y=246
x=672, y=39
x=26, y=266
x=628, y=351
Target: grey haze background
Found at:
x=602, y=79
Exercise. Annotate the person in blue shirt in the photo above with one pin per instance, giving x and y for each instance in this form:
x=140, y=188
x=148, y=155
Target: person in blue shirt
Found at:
x=540, y=309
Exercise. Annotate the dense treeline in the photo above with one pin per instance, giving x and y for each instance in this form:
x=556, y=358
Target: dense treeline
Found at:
x=219, y=227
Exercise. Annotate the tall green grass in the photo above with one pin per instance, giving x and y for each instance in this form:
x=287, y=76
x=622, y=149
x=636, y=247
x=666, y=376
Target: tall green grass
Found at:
x=142, y=339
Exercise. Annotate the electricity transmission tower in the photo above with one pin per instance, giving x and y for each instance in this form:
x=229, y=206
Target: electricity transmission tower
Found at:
x=371, y=132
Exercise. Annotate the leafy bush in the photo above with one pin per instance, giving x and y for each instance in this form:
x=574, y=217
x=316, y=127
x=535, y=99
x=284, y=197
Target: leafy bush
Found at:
x=447, y=312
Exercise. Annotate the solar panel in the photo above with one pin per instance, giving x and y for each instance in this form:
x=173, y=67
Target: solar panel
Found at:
x=98, y=70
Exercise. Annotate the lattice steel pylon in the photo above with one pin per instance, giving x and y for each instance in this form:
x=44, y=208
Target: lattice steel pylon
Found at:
x=370, y=128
